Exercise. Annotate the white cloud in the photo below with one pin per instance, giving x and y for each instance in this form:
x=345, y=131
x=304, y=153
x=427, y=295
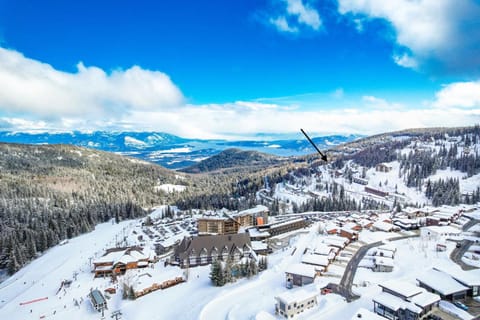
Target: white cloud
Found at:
x=338, y=93
x=282, y=25
x=405, y=60
x=375, y=102
x=459, y=95
x=440, y=34
x=29, y=86
x=304, y=13
x=296, y=14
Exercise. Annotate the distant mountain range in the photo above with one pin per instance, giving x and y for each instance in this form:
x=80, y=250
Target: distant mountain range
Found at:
x=171, y=151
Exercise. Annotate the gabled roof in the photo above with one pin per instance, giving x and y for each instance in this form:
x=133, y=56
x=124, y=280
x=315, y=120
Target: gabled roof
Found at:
x=316, y=259
x=468, y=278
x=395, y=303
x=301, y=269
x=441, y=282
x=425, y=299
x=384, y=261
x=196, y=244
x=403, y=288
x=384, y=226
x=322, y=248
x=295, y=295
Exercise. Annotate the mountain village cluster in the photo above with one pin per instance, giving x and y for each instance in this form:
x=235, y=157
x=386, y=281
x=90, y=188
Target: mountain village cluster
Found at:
x=405, y=263
x=323, y=250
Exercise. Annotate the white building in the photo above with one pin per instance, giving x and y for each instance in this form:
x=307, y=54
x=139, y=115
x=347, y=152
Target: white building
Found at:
x=293, y=302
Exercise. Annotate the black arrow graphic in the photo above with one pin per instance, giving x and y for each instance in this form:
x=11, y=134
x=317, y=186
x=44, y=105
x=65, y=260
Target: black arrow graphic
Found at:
x=324, y=156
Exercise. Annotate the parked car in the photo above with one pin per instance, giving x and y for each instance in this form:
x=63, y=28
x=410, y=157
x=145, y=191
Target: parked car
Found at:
x=460, y=305
x=459, y=245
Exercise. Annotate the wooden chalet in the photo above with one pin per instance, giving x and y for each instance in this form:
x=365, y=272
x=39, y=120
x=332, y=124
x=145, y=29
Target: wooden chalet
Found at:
x=118, y=260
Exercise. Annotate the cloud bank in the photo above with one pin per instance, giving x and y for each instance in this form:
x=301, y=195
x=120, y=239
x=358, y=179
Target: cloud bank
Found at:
x=32, y=87
x=36, y=96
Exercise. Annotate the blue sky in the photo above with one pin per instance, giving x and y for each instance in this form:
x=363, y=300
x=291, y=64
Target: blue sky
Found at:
x=235, y=68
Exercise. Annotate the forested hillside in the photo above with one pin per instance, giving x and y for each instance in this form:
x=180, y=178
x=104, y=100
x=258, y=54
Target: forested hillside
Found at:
x=234, y=159
x=421, y=155
x=53, y=192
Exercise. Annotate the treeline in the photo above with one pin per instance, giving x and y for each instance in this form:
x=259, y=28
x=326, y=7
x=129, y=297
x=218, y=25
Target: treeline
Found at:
x=223, y=272
x=447, y=191
x=28, y=229
x=338, y=201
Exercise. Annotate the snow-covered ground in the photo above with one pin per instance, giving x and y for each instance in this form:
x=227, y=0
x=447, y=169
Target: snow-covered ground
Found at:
x=197, y=298
x=169, y=188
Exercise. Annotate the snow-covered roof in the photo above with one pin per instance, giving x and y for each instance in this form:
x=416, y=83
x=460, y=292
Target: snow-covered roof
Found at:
x=443, y=215
x=349, y=230
x=322, y=248
x=142, y=263
x=126, y=258
x=406, y=221
x=395, y=303
x=430, y=209
x=138, y=255
x=110, y=257
x=259, y=245
x=383, y=226
x=441, y=282
x=147, y=279
x=388, y=247
x=315, y=259
x=335, y=240
x=475, y=228
x=301, y=269
x=384, y=261
x=365, y=314
x=425, y=299
x=469, y=278
x=254, y=232
x=295, y=295
x=443, y=230
x=286, y=222
x=258, y=209
x=403, y=288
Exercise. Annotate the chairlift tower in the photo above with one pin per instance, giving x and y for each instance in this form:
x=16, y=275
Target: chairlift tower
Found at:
x=117, y=314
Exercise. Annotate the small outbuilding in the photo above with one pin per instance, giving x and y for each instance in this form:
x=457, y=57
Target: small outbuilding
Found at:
x=299, y=274
x=98, y=300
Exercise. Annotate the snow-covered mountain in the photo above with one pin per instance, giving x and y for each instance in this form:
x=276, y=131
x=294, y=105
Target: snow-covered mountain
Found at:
x=172, y=151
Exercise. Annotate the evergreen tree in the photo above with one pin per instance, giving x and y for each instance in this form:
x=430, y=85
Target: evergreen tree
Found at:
x=216, y=273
